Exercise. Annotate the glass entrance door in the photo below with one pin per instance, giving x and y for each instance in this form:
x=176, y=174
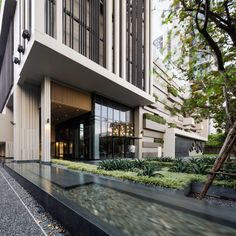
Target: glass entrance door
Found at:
x=72, y=140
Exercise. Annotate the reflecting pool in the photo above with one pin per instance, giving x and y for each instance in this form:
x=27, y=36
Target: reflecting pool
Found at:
x=120, y=206
x=135, y=216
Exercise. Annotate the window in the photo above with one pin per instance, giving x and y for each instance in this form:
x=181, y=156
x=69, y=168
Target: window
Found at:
x=50, y=17
x=84, y=31
x=113, y=129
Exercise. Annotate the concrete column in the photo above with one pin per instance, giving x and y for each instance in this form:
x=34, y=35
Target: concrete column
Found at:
x=26, y=123
x=46, y=120
x=17, y=123
x=9, y=149
x=117, y=37
x=26, y=19
x=169, y=143
x=109, y=7
x=59, y=10
x=38, y=16
x=123, y=39
x=151, y=47
x=138, y=127
x=147, y=73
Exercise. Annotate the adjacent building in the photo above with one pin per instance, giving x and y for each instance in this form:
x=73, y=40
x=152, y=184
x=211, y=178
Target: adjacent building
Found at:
x=77, y=82
x=176, y=135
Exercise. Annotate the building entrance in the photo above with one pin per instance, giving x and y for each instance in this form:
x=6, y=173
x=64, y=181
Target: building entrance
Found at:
x=73, y=140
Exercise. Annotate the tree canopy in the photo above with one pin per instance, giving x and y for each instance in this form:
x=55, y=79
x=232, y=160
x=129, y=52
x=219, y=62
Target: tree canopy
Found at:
x=208, y=41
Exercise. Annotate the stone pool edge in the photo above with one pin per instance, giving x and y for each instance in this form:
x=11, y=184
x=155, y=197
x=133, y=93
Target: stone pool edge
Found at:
x=69, y=218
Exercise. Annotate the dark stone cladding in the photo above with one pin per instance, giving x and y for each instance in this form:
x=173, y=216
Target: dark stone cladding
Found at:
x=71, y=216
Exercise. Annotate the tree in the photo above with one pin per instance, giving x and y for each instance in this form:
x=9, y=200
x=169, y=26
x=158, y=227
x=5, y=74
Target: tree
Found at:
x=208, y=36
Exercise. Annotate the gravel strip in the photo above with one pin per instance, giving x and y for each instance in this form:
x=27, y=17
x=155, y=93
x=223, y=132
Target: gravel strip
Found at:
x=218, y=202
x=42, y=217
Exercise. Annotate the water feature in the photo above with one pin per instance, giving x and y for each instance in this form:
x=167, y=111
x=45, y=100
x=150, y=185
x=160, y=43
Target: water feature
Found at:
x=123, y=206
x=135, y=216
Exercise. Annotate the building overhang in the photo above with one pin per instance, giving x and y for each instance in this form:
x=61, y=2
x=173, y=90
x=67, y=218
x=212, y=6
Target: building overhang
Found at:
x=48, y=57
x=185, y=134
x=7, y=11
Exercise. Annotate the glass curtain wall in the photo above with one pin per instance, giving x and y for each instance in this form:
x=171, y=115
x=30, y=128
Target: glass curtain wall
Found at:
x=84, y=28
x=106, y=132
x=114, y=129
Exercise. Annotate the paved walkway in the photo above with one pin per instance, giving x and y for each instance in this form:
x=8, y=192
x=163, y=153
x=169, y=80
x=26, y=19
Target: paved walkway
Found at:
x=15, y=217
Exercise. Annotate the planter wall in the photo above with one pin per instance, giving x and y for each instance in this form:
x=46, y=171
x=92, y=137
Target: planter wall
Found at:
x=148, y=124
x=215, y=191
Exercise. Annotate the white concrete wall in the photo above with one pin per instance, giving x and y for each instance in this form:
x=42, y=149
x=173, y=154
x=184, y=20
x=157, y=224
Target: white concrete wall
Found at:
x=46, y=120
x=169, y=143
x=6, y=128
x=6, y=133
x=138, y=129
x=26, y=119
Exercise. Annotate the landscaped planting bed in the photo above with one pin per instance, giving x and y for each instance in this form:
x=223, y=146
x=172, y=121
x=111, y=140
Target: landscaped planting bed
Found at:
x=151, y=172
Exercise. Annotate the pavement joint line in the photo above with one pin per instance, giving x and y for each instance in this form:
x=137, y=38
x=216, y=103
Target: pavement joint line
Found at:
x=23, y=204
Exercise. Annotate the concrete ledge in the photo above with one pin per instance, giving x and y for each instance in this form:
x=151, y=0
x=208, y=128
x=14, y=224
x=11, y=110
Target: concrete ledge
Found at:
x=46, y=163
x=152, y=134
x=26, y=161
x=147, y=155
x=151, y=145
x=148, y=124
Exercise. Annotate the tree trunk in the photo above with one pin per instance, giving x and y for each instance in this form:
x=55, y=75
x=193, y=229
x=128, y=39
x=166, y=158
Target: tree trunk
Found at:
x=223, y=155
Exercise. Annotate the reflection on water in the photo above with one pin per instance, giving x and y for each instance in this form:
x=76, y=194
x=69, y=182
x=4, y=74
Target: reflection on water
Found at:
x=134, y=216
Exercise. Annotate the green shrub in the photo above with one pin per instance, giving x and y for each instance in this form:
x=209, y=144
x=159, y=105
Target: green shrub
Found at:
x=116, y=164
x=215, y=140
x=158, y=140
x=127, y=165
x=138, y=164
x=162, y=159
x=227, y=168
x=156, y=97
x=160, y=164
x=149, y=170
x=209, y=160
x=173, y=110
x=169, y=180
x=172, y=90
x=180, y=165
x=155, y=118
x=198, y=166
x=192, y=166
x=172, y=125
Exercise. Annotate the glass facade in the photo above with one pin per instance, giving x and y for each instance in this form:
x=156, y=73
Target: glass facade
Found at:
x=114, y=129
x=104, y=133
x=74, y=138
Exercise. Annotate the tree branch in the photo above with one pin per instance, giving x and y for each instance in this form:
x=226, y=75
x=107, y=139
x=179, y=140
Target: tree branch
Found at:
x=206, y=13
x=209, y=39
x=227, y=12
x=213, y=16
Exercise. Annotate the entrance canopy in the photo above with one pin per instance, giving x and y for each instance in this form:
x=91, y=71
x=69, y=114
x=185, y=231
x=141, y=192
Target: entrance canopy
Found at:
x=48, y=57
